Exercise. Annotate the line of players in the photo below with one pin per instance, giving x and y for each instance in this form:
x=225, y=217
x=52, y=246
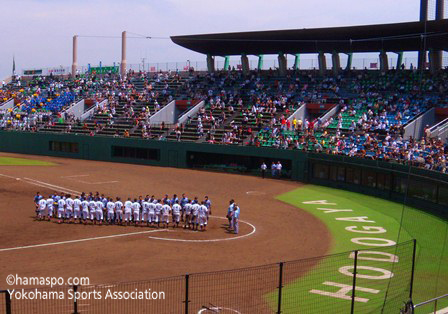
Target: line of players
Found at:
x=149, y=210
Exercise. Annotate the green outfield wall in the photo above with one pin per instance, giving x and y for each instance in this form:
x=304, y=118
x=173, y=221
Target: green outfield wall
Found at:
x=426, y=190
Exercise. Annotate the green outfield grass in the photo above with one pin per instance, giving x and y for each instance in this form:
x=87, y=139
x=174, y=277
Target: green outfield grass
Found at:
x=12, y=161
x=431, y=273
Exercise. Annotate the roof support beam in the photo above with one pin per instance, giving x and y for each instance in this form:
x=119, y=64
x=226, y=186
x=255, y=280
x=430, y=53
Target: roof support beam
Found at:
x=210, y=64
x=297, y=61
x=384, y=62
x=226, y=63
x=282, y=64
x=349, y=61
x=336, y=60
x=399, y=60
x=260, y=63
x=245, y=64
x=322, y=63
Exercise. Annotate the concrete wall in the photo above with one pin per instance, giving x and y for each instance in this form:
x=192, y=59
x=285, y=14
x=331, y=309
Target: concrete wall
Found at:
x=415, y=127
x=191, y=113
x=167, y=114
x=77, y=109
x=440, y=130
x=91, y=111
x=7, y=104
x=299, y=114
x=329, y=113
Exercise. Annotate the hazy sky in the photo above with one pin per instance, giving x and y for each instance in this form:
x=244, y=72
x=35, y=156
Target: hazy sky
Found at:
x=39, y=32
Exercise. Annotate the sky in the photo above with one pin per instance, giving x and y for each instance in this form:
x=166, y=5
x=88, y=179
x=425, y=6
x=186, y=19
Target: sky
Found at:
x=38, y=33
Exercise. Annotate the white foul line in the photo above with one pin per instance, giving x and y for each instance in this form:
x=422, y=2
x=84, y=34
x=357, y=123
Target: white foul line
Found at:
x=79, y=240
x=212, y=240
x=4, y=175
x=52, y=185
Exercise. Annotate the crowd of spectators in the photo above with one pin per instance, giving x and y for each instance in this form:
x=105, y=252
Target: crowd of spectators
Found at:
x=254, y=110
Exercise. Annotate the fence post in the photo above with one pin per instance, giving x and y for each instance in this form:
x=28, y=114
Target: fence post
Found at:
x=7, y=301
x=355, y=264
x=75, y=302
x=187, y=277
x=413, y=268
x=280, y=286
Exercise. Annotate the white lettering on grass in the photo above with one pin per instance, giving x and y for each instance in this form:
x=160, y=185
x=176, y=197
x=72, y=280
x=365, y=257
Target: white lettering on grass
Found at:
x=356, y=219
x=330, y=210
x=390, y=258
x=366, y=229
x=380, y=242
x=385, y=274
x=342, y=293
x=321, y=202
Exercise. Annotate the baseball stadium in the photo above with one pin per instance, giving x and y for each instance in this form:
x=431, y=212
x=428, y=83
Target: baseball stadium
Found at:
x=280, y=174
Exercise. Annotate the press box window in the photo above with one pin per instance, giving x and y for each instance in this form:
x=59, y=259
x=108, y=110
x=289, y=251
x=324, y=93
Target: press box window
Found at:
x=65, y=147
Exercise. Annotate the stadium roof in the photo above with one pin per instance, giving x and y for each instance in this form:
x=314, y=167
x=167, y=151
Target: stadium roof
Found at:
x=365, y=38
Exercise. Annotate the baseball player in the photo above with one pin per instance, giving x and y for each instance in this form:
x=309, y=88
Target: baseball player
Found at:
x=37, y=198
x=99, y=214
x=176, y=214
x=152, y=211
x=208, y=203
x=110, y=211
x=230, y=212
x=202, y=216
x=42, y=203
x=145, y=208
x=61, y=209
x=50, y=204
x=127, y=211
x=183, y=202
x=194, y=215
x=158, y=212
x=187, y=214
x=85, y=210
x=166, y=208
x=119, y=211
x=77, y=208
x=173, y=200
x=69, y=208
x=136, y=211
x=92, y=208
x=236, y=218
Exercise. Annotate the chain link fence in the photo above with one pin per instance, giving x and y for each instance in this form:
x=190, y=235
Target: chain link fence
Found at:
x=364, y=281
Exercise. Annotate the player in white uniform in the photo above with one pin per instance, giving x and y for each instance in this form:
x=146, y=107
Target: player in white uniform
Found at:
x=152, y=212
x=61, y=209
x=85, y=210
x=118, y=211
x=69, y=208
x=176, y=214
x=127, y=211
x=194, y=216
x=187, y=209
x=145, y=208
x=136, y=211
x=77, y=209
x=50, y=203
x=203, y=216
x=158, y=213
x=99, y=216
x=110, y=211
x=166, y=208
x=92, y=207
x=42, y=205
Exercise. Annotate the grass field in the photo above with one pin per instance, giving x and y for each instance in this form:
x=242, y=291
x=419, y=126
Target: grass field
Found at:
x=431, y=273
x=12, y=161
